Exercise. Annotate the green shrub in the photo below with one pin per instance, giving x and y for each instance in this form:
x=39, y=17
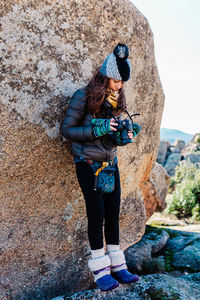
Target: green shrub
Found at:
x=196, y=212
x=152, y=266
x=184, y=197
x=182, y=200
x=197, y=139
x=185, y=170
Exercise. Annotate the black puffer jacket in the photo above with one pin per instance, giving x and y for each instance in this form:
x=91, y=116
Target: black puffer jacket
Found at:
x=77, y=128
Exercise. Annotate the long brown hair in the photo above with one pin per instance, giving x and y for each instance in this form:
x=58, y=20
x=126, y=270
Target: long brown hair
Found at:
x=97, y=92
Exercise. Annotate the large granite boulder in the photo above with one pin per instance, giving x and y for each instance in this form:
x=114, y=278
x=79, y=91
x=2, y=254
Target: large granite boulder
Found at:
x=179, y=251
x=141, y=253
x=163, y=152
x=193, y=158
x=156, y=190
x=48, y=50
x=186, y=257
x=178, y=146
x=160, y=181
x=193, y=146
x=172, y=162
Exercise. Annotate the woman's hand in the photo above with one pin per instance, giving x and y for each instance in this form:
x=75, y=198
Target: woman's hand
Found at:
x=130, y=135
x=113, y=125
x=101, y=127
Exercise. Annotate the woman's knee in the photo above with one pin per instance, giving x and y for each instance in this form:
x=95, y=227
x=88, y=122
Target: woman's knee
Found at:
x=97, y=218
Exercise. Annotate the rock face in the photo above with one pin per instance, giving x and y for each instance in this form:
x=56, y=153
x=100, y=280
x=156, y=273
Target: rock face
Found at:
x=142, y=251
x=156, y=190
x=178, y=146
x=161, y=181
x=170, y=155
x=163, y=152
x=186, y=249
x=48, y=50
x=172, y=162
x=179, y=251
x=193, y=158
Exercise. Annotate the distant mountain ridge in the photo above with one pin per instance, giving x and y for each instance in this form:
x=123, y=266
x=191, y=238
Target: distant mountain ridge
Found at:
x=171, y=135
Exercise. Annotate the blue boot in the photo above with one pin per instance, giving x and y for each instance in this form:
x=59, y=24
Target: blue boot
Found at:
x=100, y=267
x=119, y=269
x=107, y=283
x=125, y=276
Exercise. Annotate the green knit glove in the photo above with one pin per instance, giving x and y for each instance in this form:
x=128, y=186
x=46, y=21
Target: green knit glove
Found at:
x=100, y=127
x=118, y=138
x=136, y=129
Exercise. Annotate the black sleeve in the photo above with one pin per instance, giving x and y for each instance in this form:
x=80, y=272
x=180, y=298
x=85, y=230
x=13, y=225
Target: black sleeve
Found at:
x=75, y=112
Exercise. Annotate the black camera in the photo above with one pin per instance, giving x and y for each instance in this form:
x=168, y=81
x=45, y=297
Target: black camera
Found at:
x=123, y=125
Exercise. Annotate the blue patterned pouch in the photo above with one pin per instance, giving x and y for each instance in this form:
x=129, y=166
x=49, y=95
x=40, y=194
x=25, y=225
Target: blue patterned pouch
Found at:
x=105, y=180
x=104, y=176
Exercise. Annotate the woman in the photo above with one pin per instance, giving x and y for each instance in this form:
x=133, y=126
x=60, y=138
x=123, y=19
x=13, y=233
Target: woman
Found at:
x=91, y=123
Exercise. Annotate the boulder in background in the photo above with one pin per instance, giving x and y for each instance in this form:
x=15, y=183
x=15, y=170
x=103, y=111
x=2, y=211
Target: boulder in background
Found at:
x=178, y=146
x=163, y=152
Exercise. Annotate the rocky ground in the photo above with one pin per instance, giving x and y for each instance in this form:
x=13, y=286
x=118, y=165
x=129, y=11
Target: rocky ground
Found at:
x=156, y=287
x=167, y=259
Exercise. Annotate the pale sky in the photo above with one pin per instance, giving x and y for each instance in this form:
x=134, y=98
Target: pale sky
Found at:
x=176, y=28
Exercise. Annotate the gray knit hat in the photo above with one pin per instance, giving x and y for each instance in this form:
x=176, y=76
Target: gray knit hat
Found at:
x=117, y=64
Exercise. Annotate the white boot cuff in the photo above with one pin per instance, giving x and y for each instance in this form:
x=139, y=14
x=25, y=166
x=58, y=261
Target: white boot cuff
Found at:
x=118, y=261
x=98, y=264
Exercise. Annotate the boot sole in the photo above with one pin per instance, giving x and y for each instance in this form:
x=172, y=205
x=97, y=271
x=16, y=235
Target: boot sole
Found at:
x=114, y=286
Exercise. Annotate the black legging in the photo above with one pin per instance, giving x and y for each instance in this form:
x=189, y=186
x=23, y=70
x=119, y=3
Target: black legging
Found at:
x=100, y=207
